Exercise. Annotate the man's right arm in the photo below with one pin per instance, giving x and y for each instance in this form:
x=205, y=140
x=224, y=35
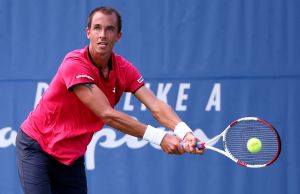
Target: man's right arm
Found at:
x=97, y=102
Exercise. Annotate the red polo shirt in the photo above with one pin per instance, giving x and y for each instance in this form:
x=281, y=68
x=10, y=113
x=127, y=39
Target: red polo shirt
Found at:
x=61, y=123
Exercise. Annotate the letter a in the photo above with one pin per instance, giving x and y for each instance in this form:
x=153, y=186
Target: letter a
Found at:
x=215, y=98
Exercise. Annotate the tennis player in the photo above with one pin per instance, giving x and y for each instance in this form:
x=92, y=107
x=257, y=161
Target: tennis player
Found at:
x=78, y=102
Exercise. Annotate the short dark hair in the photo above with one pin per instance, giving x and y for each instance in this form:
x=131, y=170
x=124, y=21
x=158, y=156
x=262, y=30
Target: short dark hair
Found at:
x=105, y=10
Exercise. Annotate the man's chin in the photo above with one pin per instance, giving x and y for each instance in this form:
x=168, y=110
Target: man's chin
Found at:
x=103, y=53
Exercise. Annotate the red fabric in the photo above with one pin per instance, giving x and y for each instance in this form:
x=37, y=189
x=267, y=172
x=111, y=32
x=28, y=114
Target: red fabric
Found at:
x=61, y=123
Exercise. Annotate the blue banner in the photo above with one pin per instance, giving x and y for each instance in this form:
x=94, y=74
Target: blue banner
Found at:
x=212, y=61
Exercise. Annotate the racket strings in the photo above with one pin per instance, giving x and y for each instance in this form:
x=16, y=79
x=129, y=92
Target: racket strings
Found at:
x=237, y=136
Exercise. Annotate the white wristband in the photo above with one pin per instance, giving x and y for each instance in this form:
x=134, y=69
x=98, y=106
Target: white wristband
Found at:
x=154, y=135
x=182, y=129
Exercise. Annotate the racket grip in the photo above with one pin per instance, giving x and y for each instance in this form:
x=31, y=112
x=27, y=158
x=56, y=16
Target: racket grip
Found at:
x=200, y=145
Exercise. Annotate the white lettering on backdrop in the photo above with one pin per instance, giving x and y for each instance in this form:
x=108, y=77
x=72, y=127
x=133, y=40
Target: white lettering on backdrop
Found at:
x=107, y=137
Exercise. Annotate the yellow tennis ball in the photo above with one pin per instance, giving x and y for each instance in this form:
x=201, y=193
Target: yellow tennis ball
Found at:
x=254, y=145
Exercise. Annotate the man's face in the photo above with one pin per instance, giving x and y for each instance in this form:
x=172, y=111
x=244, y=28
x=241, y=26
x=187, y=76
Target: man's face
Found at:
x=103, y=33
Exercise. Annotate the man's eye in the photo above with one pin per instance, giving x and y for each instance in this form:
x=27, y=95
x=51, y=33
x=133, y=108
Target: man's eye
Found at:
x=111, y=29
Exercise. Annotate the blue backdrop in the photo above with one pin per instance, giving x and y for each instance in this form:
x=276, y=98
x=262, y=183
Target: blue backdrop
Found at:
x=213, y=61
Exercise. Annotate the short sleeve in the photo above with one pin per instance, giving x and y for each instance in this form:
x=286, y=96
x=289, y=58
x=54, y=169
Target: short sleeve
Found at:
x=135, y=79
x=76, y=71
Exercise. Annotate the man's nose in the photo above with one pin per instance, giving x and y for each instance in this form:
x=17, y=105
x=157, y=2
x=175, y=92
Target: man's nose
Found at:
x=102, y=34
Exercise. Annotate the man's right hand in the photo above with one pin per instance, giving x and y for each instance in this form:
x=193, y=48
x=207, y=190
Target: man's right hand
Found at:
x=171, y=145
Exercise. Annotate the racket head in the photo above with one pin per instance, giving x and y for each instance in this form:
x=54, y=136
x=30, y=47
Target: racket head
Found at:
x=237, y=134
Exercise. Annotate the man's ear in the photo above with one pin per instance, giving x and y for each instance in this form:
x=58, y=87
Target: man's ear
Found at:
x=119, y=36
x=88, y=32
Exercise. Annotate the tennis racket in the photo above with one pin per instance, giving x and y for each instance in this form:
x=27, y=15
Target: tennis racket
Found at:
x=238, y=134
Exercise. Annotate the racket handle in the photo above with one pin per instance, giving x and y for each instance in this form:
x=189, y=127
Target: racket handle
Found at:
x=200, y=145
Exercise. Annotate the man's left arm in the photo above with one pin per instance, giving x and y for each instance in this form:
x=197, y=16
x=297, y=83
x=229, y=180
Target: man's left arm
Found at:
x=167, y=117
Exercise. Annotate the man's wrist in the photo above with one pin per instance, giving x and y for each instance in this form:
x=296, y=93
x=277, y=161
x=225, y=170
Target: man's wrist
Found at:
x=182, y=129
x=154, y=135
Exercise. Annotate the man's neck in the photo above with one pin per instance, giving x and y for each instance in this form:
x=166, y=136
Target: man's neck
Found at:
x=103, y=63
x=100, y=60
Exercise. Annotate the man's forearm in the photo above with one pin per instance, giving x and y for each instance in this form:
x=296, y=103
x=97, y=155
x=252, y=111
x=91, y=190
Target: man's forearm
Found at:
x=165, y=115
x=125, y=123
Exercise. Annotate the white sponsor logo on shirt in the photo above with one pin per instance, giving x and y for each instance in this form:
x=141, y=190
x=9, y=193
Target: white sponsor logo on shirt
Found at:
x=84, y=76
x=140, y=80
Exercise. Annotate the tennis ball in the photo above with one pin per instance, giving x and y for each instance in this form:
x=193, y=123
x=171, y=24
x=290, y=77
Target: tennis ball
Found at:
x=254, y=145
